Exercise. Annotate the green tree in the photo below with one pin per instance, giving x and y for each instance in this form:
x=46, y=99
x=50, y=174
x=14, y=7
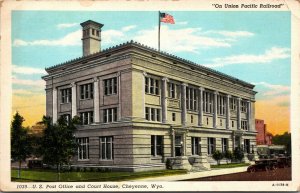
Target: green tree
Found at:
x=217, y=155
x=284, y=139
x=238, y=154
x=58, y=142
x=20, y=141
x=228, y=156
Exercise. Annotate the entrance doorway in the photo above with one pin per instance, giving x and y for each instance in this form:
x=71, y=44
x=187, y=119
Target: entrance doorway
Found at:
x=178, y=145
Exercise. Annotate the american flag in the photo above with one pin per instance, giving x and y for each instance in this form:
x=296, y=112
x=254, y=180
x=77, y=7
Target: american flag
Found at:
x=166, y=18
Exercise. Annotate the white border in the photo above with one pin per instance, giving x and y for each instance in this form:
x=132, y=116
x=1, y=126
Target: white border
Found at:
x=183, y=5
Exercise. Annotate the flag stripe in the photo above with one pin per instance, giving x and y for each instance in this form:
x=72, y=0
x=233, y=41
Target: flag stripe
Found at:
x=166, y=18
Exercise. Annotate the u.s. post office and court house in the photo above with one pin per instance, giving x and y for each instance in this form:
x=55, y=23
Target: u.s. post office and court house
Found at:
x=139, y=107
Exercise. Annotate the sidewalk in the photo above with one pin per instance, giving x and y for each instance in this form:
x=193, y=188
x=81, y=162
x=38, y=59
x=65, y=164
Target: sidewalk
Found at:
x=192, y=175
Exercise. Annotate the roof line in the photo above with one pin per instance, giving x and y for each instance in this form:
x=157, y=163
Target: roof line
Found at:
x=163, y=53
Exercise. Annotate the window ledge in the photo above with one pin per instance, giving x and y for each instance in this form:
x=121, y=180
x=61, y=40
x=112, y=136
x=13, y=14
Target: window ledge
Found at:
x=106, y=160
x=158, y=95
x=107, y=95
x=86, y=99
x=83, y=160
x=156, y=157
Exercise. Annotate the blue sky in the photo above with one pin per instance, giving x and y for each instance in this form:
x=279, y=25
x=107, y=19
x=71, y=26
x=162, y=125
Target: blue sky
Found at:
x=252, y=46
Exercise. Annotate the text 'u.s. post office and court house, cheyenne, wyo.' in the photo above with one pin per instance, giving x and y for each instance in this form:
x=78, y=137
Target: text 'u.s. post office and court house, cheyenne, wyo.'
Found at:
x=140, y=107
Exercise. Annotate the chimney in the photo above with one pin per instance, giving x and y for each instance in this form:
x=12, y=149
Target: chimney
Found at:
x=91, y=37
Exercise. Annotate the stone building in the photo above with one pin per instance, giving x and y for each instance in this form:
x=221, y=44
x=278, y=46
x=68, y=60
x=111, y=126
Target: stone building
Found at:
x=140, y=107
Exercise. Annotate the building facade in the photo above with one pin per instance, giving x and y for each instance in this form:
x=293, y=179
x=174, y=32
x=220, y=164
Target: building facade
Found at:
x=263, y=137
x=140, y=107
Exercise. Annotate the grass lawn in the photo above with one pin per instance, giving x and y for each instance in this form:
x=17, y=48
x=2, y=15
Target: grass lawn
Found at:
x=230, y=165
x=51, y=176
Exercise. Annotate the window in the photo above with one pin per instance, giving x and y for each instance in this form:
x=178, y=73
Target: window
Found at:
x=106, y=148
x=221, y=122
x=83, y=148
x=233, y=104
x=97, y=33
x=191, y=99
x=243, y=106
x=207, y=102
x=110, y=115
x=192, y=119
x=152, y=114
x=172, y=90
x=93, y=31
x=87, y=117
x=247, y=145
x=156, y=145
x=221, y=104
x=244, y=125
x=232, y=123
x=210, y=145
x=173, y=116
x=110, y=86
x=207, y=121
x=224, y=145
x=151, y=86
x=67, y=118
x=196, y=145
x=66, y=95
x=87, y=91
x=178, y=145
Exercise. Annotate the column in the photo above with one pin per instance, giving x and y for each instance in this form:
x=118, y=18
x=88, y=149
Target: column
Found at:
x=200, y=106
x=238, y=113
x=164, y=99
x=173, y=143
x=215, y=118
x=144, y=93
x=74, y=100
x=54, y=100
x=249, y=115
x=252, y=120
x=96, y=101
x=184, y=143
x=119, y=96
x=183, y=103
x=233, y=142
x=228, y=112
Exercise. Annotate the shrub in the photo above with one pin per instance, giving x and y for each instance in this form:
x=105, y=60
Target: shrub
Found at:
x=250, y=157
x=217, y=155
x=169, y=163
x=238, y=154
x=228, y=156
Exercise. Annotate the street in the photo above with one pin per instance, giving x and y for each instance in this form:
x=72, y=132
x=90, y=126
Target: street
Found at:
x=279, y=174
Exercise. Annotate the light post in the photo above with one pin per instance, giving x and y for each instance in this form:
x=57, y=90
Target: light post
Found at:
x=199, y=145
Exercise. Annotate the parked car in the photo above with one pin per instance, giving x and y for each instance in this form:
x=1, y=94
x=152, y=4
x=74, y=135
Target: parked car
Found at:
x=283, y=162
x=263, y=165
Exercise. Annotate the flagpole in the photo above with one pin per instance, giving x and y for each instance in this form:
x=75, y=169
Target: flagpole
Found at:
x=158, y=30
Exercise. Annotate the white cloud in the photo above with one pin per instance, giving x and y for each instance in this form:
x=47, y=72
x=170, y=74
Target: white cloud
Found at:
x=112, y=36
x=182, y=23
x=66, y=25
x=71, y=39
x=268, y=89
x=128, y=28
x=179, y=40
x=25, y=82
x=232, y=34
x=275, y=53
x=27, y=70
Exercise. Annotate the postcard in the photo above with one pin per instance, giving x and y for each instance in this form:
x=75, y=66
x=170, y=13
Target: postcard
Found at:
x=149, y=96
